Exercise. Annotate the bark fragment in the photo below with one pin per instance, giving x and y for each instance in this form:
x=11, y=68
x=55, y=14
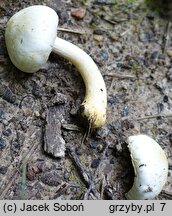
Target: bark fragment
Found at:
x=54, y=143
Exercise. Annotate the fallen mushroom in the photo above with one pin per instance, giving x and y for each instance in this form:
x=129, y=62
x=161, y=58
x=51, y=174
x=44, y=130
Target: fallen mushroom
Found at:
x=150, y=166
x=31, y=36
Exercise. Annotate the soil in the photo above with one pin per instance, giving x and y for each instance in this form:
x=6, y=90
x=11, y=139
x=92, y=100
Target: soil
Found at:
x=131, y=43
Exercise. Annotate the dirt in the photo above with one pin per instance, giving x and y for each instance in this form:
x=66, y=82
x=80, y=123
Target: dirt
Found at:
x=131, y=43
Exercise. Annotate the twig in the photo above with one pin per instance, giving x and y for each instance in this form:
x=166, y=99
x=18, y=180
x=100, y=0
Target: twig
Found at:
x=71, y=31
x=112, y=84
x=166, y=36
x=104, y=3
x=125, y=32
x=83, y=173
x=85, y=176
x=62, y=188
x=114, y=21
x=147, y=117
x=166, y=194
x=153, y=116
x=23, y=165
x=102, y=188
x=109, y=21
x=71, y=127
x=88, y=131
x=96, y=172
x=16, y=172
x=25, y=97
x=13, y=178
x=108, y=193
x=121, y=76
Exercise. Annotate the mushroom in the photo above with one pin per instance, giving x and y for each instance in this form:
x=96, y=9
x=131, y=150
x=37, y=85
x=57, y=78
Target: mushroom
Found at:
x=150, y=166
x=30, y=37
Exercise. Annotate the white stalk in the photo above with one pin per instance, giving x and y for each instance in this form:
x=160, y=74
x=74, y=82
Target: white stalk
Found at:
x=150, y=166
x=95, y=101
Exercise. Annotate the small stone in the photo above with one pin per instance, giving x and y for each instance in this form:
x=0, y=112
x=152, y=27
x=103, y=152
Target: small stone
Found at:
x=73, y=111
x=58, y=99
x=63, y=16
x=125, y=111
x=104, y=55
x=161, y=56
x=2, y=144
x=159, y=86
x=165, y=99
x=39, y=123
x=119, y=147
x=2, y=115
x=93, y=145
x=95, y=163
x=51, y=178
x=100, y=147
x=154, y=55
x=169, y=52
x=102, y=132
x=170, y=137
x=78, y=151
x=78, y=13
x=112, y=99
x=126, y=124
x=99, y=32
x=7, y=132
x=150, y=15
x=169, y=74
x=36, y=114
x=112, y=161
x=3, y=169
x=139, y=60
x=125, y=66
x=40, y=160
x=145, y=36
x=107, y=169
x=160, y=107
x=32, y=170
x=98, y=38
x=114, y=36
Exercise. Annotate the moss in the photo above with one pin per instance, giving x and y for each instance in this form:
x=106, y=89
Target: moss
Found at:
x=163, y=7
x=134, y=67
x=114, y=1
x=154, y=131
x=73, y=177
x=124, y=6
x=131, y=2
x=83, y=2
x=137, y=85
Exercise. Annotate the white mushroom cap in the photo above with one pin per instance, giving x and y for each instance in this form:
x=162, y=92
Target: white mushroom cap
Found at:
x=30, y=35
x=150, y=166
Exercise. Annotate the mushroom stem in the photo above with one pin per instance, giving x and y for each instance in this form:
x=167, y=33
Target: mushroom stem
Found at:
x=95, y=101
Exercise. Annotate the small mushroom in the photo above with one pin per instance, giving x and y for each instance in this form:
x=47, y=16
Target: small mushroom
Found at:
x=31, y=36
x=150, y=166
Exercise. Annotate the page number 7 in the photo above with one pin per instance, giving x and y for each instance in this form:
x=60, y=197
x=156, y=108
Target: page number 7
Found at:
x=163, y=205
